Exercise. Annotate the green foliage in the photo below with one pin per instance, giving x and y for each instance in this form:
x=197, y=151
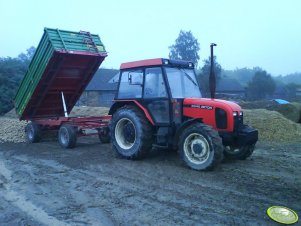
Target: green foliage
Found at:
x=290, y=78
x=186, y=47
x=260, y=86
x=12, y=71
x=203, y=75
x=243, y=75
x=291, y=89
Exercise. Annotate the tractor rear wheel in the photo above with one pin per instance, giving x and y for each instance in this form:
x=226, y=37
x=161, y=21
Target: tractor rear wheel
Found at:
x=131, y=133
x=239, y=153
x=67, y=136
x=200, y=147
x=33, y=132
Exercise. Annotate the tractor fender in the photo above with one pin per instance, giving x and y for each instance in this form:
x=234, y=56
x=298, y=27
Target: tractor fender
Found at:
x=120, y=103
x=183, y=126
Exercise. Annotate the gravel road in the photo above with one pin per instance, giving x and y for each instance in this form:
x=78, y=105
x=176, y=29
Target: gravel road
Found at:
x=43, y=184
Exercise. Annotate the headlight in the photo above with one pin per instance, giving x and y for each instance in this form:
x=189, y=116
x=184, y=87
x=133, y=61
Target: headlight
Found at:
x=235, y=113
x=240, y=113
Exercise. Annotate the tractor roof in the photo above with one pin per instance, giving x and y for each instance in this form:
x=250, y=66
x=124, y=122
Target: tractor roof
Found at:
x=157, y=62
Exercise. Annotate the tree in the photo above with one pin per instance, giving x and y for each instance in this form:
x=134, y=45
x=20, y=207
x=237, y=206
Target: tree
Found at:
x=261, y=85
x=186, y=47
x=12, y=70
x=243, y=75
x=203, y=75
x=291, y=89
x=26, y=57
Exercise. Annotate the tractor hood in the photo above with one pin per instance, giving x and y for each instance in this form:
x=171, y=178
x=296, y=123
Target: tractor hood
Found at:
x=210, y=104
x=214, y=112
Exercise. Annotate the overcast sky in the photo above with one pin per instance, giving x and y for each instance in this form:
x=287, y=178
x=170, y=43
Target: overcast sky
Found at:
x=248, y=33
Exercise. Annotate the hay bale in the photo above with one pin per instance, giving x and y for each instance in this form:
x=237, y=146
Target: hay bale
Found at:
x=289, y=111
x=273, y=126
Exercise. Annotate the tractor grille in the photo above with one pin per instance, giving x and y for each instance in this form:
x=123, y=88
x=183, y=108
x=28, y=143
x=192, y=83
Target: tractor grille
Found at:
x=238, y=122
x=221, y=118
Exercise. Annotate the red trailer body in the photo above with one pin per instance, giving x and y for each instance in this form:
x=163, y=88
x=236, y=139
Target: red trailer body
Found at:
x=68, y=73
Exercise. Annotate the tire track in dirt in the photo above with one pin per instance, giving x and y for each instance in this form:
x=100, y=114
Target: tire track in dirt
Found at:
x=22, y=203
x=158, y=189
x=40, y=173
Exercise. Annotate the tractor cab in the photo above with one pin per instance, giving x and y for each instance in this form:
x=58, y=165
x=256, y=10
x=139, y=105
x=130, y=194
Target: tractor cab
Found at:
x=160, y=85
x=159, y=103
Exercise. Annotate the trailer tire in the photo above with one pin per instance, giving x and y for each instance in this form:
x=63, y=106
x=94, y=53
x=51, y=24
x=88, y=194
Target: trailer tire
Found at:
x=33, y=132
x=131, y=133
x=241, y=153
x=200, y=147
x=104, y=135
x=67, y=136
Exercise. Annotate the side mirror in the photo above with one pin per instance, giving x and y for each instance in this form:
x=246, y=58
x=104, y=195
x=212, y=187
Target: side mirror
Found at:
x=135, y=78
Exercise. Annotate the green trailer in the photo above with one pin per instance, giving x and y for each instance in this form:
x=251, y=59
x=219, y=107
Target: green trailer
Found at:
x=64, y=62
x=61, y=68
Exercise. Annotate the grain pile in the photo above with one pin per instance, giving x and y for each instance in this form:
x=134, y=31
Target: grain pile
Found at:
x=88, y=111
x=11, y=114
x=273, y=126
x=12, y=130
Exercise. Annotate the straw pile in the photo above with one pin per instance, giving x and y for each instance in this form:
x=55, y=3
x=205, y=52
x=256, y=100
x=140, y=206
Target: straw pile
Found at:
x=290, y=111
x=259, y=104
x=298, y=106
x=272, y=126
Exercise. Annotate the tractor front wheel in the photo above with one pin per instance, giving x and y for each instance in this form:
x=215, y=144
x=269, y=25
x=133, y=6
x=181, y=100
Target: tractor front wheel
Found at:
x=200, y=147
x=131, y=133
x=239, y=153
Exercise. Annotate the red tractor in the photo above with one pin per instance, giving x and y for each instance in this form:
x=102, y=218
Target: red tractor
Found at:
x=159, y=104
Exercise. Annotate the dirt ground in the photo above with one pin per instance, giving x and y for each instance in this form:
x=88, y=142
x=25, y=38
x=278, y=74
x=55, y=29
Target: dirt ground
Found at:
x=43, y=184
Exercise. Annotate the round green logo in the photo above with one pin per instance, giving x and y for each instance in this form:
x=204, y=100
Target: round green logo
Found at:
x=282, y=214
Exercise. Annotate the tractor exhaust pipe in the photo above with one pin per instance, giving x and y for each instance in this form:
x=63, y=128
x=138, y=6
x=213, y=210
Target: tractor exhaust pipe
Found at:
x=212, y=79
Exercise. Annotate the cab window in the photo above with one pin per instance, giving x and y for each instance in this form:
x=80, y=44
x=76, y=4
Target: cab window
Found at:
x=131, y=84
x=154, y=86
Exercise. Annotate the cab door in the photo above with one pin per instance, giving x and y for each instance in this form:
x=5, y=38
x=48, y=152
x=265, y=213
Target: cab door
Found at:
x=155, y=96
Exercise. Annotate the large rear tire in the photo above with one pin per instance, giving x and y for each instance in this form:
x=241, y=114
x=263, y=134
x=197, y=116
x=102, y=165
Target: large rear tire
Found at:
x=33, y=132
x=200, y=147
x=241, y=153
x=131, y=133
x=67, y=136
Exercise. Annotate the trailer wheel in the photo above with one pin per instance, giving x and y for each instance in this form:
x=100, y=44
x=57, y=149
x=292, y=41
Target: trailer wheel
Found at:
x=239, y=153
x=67, y=136
x=104, y=135
x=131, y=132
x=33, y=132
x=200, y=147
